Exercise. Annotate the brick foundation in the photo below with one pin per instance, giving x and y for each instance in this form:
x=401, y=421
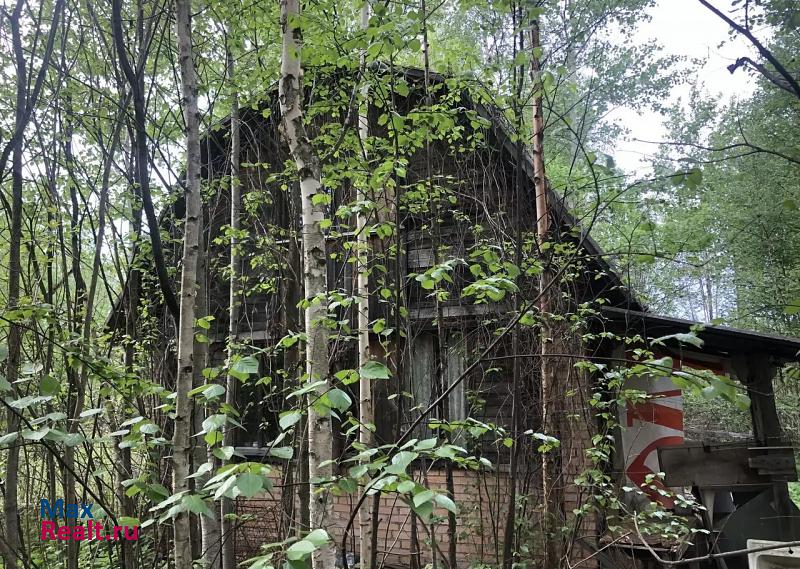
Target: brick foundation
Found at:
x=482, y=499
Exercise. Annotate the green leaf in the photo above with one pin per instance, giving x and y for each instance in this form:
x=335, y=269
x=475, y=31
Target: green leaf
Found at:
x=49, y=385
x=225, y=488
x=249, y=484
x=318, y=537
x=55, y=435
x=446, y=503
x=31, y=368
x=8, y=438
x=320, y=199
x=91, y=412
x=56, y=416
x=694, y=178
x=245, y=366
x=132, y=421
x=282, y=452
x=406, y=486
x=224, y=453
x=300, y=550
x=157, y=492
x=28, y=400
x=347, y=376
x=214, y=422
x=213, y=438
x=149, y=428
x=213, y=391
x=425, y=510
x=683, y=338
x=204, y=323
x=423, y=497
x=196, y=505
x=348, y=485
x=339, y=399
x=374, y=370
x=36, y=435
x=73, y=439
x=289, y=419
x=400, y=462
x=202, y=469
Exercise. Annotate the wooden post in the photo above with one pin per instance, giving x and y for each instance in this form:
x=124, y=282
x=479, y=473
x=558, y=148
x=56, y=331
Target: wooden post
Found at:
x=756, y=371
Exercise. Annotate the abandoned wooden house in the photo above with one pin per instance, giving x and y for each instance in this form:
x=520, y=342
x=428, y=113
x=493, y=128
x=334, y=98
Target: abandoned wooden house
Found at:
x=485, y=177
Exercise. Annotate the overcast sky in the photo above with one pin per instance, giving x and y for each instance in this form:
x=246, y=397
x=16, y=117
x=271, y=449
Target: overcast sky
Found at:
x=684, y=27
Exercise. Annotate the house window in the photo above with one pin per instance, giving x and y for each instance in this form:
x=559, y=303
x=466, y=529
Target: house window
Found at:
x=422, y=376
x=261, y=402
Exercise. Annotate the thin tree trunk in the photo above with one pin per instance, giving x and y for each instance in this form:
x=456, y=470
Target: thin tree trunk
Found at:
x=297, y=468
x=293, y=357
x=365, y=411
x=124, y=465
x=181, y=452
x=441, y=336
x=77, y=383
x=11, y=482
x=320, y=448
x=549, y=391
x=228, y=554
x=135, y=80
x=207, y=547
x=511, y=508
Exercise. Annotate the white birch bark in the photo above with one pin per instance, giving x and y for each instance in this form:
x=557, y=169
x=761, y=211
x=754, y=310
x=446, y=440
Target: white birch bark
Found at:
x=290, y=94
x=366, y=412
x=191, y=245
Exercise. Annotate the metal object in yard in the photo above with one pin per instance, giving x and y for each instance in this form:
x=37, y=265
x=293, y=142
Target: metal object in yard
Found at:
x=773, y=559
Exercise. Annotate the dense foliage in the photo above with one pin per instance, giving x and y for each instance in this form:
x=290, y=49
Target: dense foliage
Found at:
x=108, y=394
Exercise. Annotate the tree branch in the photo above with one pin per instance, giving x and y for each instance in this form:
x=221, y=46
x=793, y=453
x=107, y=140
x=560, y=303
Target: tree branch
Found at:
x=765, y=53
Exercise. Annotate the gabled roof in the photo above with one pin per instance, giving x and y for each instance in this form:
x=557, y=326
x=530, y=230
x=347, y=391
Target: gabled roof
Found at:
x=627, y=309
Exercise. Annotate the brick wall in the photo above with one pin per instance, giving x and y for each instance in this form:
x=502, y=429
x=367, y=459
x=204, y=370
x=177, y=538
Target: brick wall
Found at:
x=482, y=500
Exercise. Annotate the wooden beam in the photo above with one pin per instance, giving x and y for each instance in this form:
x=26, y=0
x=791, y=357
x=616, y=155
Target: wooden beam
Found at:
x=756, y=371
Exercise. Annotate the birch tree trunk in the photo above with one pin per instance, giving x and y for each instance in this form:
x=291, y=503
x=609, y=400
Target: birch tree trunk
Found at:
x=181, y=453
x=551, y=383
x=228, y=554
x=290, y=94
x=366, y=413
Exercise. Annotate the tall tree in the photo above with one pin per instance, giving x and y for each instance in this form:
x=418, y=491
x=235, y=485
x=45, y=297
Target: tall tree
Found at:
x=550, y=381
x=366, y=413
x=181, y=452
x=234, y=285
x=320, y=444
x=13, y=543
x=134, y=75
